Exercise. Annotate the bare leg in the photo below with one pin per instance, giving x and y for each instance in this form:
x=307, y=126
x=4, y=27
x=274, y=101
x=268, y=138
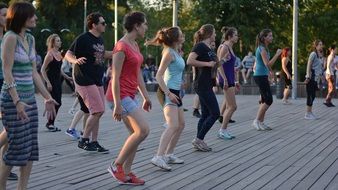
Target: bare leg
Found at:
x=4, y=173
x=77, y=117
x=231, y=106
x=171, y=115
x=25, y=172
x=196, y=104
x=141, y=131
x=176, y=136
x=261, y=112
x=91, y=124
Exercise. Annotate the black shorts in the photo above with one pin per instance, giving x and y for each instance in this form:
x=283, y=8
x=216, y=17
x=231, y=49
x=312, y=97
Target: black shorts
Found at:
x=83, y=106
x=264, y=89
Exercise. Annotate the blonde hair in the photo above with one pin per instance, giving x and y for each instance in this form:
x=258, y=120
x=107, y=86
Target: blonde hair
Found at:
x=50, y=43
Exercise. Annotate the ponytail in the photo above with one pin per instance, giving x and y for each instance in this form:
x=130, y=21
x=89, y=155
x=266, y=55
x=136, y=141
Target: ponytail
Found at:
x=203, y=33
x=165, y=36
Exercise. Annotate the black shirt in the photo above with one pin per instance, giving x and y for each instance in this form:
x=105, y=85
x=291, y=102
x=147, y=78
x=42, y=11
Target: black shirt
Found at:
x=203, y=79
x=92, y=48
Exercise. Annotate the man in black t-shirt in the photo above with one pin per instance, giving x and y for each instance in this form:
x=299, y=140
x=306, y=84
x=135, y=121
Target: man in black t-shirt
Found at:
x=87, y=53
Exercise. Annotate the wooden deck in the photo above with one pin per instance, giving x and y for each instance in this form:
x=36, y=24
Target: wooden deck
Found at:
x=296, y=154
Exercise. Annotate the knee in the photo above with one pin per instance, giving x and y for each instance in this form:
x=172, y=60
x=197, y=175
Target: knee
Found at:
x=143, y=133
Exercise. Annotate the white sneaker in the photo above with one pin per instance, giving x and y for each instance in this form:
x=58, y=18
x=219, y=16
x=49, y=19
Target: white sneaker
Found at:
x=172, y=159
x=256, y=125
x=265, y=127
x=286, y=102
x=160, y=162
x=310, y=116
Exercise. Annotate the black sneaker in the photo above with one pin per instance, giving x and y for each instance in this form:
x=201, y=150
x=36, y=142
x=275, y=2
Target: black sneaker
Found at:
x=86, y=145
x=12, y=176
x=220, y=119
x=196, y=113
x=99, y=148
x=232, y=121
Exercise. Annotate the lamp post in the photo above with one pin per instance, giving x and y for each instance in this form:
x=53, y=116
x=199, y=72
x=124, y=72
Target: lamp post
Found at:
x=84, y=15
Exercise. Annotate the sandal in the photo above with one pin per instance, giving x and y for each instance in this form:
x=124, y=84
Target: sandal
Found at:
x=52, y=129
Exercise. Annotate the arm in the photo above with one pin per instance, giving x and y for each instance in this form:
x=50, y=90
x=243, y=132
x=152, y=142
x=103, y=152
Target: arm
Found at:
x=223, y=53
x=70, y=57
x=308, y=67
x=118, y=59
x=47, y=60
x=7, y=56
x=193, y=62
x=108, y=54
x=268, y=63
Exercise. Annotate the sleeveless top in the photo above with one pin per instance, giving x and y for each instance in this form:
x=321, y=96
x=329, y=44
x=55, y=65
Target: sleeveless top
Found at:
x=54, y=69
x=289, y=67
x=261, y=69
x=173, y=74
x=22, y=70
x=331, y=66
x=229, y=69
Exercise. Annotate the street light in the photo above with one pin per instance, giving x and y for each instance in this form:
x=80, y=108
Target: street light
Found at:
x=45, y=30
x=64, y=30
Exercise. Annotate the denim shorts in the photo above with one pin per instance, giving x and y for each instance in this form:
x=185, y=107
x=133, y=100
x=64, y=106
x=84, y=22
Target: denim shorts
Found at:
x=128, y=105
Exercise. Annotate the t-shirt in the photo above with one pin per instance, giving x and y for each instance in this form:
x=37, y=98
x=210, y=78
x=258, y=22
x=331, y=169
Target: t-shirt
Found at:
x=203, y=79
x=248, y=61
x=92, y=48
x=173, y=74
x=261, y=69
x=317, y=63
x=130, y=69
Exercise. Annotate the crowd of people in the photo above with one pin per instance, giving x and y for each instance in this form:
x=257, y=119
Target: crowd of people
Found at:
x=82, y=66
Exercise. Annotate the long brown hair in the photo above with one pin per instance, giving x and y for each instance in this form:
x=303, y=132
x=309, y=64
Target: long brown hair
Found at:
x=227, y=32
x=166, y=36
x=203, y=33
x=260, y=37
x=17, y=15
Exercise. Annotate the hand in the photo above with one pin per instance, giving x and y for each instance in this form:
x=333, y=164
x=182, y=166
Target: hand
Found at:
x=146, y=105
x=117, y=113
x=238, y=86
x=212, y=63
x=50, y=108
x=20, y=109
x=173, y=98
x=278, y=52
x=272, y=75
x=288, y=76
x=81, y=60
x=70, y=79
x=307, y=81
x=49, y=87
x=225, y=85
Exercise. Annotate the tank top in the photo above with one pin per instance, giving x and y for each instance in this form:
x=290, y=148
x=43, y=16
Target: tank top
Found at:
x=173, y=74
x=1, y=75
x=54, y=69
x=22, y=70
x=261, y=69
x=331, y=66
x=229, y=69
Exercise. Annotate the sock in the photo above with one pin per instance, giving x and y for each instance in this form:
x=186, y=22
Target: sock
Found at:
x=223, y=130
x=85, y=139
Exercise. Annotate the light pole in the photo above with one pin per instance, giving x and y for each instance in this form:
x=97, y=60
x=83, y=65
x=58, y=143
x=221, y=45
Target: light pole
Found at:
x=84, y=15
x=115, y=22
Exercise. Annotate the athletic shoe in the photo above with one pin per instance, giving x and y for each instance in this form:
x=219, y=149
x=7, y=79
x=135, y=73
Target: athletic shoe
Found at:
x=196, y=113
x=206, y=147
x=286, y=102
x=133, y=180
x=265, y=127
x=160, y=162
x=310, y=116
x=185, y=109
x=99, y=148
x=257, y=126
x=172, y=159
x=117, y=172
x=327, y=104
x=225, y=135
x=72, y=133
x=220, y=119
x=232, y=121
x=197, y=144
x=86, y=145
x=12, y=176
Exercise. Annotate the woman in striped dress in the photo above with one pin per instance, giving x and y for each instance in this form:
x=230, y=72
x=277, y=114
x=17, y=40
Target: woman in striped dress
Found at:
x=18, y=105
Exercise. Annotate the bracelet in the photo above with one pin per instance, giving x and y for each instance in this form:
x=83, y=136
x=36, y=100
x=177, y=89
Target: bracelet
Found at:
x=17, y=102
x=9, y=86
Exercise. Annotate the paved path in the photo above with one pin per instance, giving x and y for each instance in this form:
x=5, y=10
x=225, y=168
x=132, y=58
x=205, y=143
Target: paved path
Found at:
x=296, y=154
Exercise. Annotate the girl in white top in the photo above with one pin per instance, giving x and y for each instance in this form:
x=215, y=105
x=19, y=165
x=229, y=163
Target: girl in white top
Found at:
x=330, y=67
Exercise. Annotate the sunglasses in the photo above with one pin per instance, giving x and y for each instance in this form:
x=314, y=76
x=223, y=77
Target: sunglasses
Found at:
x=103, y=23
